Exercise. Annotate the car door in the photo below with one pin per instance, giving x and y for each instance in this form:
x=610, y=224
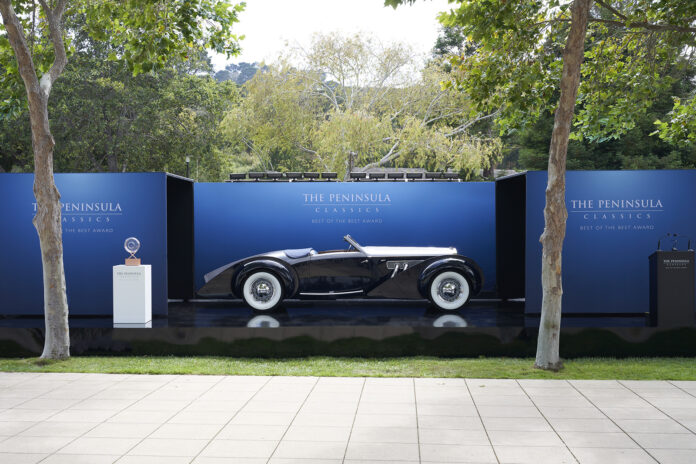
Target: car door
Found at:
x=339, y=272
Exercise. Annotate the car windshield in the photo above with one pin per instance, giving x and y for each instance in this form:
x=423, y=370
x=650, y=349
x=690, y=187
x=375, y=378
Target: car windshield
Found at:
x=353, y=243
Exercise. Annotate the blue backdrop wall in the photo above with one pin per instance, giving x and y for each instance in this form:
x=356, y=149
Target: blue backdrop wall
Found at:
x=99, y=212
x=615, y=219
x=235, y=220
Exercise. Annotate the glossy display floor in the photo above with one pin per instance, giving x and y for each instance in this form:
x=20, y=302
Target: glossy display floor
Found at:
x=349, y=313
x=187, y=419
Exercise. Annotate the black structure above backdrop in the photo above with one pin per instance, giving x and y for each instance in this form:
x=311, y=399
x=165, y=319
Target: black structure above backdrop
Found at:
x=391, y=176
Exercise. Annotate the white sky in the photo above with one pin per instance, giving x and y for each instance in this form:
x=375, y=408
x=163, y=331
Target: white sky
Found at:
x=269, y=24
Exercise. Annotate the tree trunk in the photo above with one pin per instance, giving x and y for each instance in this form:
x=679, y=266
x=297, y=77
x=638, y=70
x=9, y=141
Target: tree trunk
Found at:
x=555, y=213
x=48, y=213
x=112, y=162
x=49, y=227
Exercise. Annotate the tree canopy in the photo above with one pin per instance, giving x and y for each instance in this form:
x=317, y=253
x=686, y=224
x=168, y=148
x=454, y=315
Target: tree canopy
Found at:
x=353, y=103
x=635, y=52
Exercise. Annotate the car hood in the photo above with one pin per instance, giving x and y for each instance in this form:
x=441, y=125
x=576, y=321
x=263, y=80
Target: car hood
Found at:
x=377, y=251
x=280, y=254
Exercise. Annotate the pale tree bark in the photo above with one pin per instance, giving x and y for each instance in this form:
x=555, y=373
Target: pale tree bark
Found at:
x=555, y=213
x=48, y=213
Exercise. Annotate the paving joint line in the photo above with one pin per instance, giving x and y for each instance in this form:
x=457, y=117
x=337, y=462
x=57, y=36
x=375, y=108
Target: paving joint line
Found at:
x=688, y=393
x=478, y=414
x=656, y=407
x=355, y=417
x=102, y=422
x=42, y=394
x=613, y=421
x=293, y=419
x=37, y=374
x=233, y=415
x=536, y=406
x=171, y=416
x=415, y=405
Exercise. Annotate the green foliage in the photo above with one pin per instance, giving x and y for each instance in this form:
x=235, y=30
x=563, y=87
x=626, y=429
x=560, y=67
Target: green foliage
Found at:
x=614, y=127
x=516, y=60
x=148, y=33
x=106, y=119
x=237, y=72
x=12, y=91
x=680, y=128
x=356, y=104
x=144, y=34
x=635, y=149
x=106, y=111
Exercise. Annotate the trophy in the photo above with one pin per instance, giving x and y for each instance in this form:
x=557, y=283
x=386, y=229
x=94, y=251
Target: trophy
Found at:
x=132, y=245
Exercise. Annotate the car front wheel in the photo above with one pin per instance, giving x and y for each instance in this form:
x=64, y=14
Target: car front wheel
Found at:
x=449, y=290
x=262, y=291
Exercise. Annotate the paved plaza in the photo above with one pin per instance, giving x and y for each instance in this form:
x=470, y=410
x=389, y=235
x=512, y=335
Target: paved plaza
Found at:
x=128, y=419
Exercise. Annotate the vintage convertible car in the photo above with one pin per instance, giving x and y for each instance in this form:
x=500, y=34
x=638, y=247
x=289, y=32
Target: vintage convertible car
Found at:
x=447, y=279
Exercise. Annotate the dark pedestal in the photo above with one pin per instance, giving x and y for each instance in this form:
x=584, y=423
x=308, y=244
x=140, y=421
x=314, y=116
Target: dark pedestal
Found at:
x=672, y=295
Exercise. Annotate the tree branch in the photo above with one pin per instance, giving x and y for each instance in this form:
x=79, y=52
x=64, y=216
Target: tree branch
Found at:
x=55, y=18
x=611, y=9
x=24, y=60
x=442, y=116
x=632, y=25
x=468, y=124
x=316, y=155
x=646, y=25
x=385, y=159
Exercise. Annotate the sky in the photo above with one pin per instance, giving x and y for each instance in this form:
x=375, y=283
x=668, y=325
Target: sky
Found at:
x=269, y=24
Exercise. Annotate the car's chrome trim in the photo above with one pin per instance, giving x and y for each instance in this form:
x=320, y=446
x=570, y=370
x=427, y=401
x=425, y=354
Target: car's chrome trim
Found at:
x=386, y=251
x=353, y=292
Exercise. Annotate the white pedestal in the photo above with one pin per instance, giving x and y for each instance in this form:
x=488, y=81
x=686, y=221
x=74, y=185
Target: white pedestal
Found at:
x=133, y=296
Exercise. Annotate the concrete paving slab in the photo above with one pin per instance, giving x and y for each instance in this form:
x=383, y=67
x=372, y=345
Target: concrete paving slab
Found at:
x=131, y=419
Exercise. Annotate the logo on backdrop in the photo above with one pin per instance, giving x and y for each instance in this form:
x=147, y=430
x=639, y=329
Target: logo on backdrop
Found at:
x=347, y=208
x=88, y=217
x=616, y=214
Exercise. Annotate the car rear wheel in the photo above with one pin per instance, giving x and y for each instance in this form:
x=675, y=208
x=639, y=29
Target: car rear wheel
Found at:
x=262, y=291
x=449, y=290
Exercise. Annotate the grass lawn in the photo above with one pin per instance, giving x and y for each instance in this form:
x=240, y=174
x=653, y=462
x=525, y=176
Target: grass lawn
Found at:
x=520, y=368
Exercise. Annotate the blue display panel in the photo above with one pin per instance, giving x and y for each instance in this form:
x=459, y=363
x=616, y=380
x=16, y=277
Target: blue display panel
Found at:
x=615, y=219
x=240, y=219
x=99, y=212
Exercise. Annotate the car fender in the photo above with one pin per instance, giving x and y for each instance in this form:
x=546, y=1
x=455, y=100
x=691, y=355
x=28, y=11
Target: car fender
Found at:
x=466, y=266
x=287, y=275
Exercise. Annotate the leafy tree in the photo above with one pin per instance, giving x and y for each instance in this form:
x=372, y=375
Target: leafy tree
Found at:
x=239, y=73
x=145, y=33
x=357, y=104
x=638, y=148
x=518, y=66
x=106, y=119
x=451, y=41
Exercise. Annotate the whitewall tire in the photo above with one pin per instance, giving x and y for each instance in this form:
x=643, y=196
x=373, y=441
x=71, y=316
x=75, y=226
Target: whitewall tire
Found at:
x=262, y=291
x=449, y=290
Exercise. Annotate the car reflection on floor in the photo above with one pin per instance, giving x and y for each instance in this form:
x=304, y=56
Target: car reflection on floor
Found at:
x=268, y=321
x=345, y=313
x=216, y=313
x=477, y=313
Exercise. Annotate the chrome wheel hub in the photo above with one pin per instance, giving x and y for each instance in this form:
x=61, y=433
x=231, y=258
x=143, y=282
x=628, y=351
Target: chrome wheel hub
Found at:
x=449, y=289
x=262, y=290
